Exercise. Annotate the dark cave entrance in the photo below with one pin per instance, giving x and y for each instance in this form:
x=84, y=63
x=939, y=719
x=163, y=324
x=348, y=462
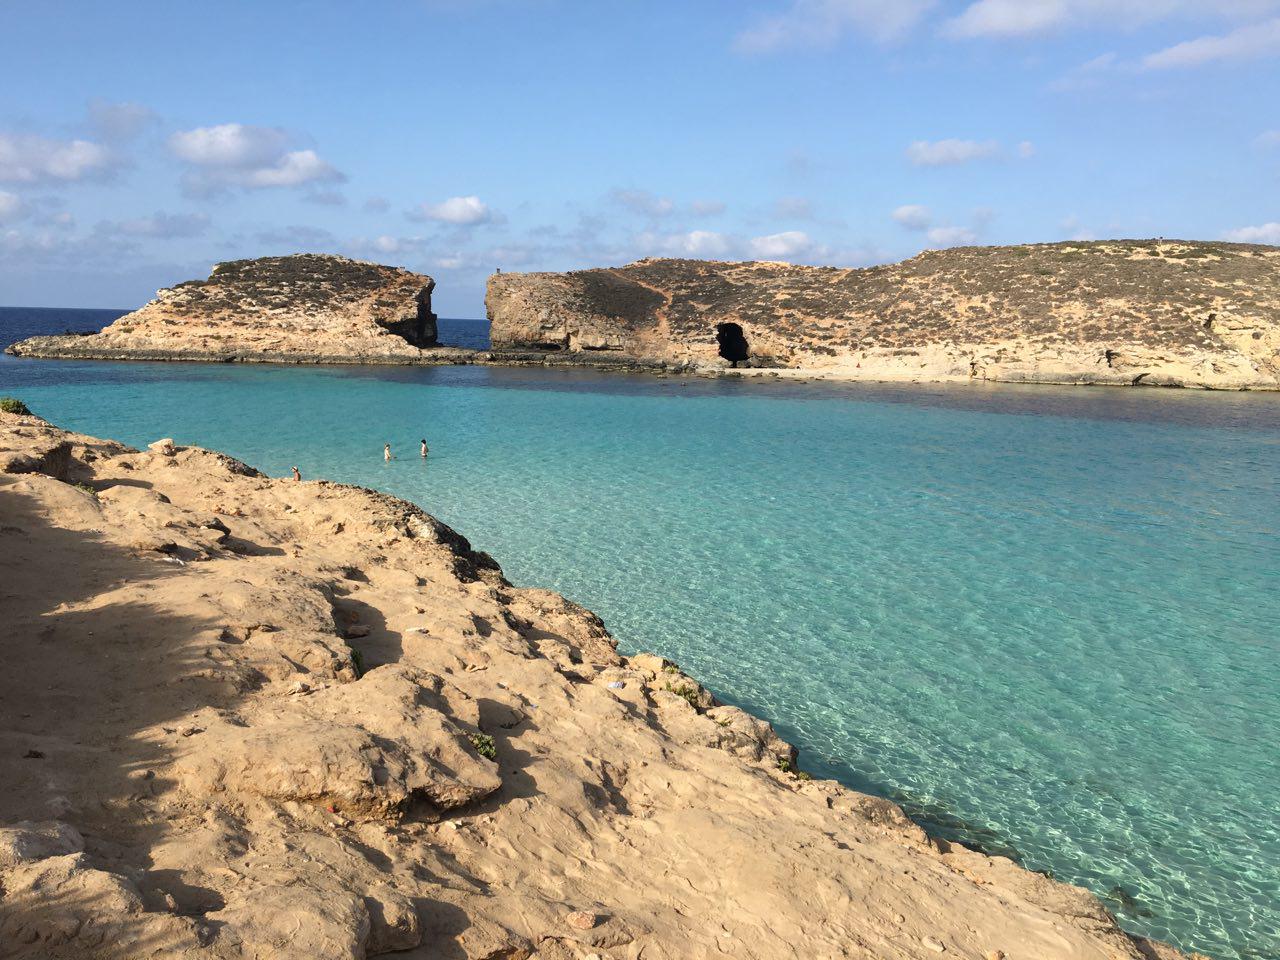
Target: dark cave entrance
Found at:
x=733, y=343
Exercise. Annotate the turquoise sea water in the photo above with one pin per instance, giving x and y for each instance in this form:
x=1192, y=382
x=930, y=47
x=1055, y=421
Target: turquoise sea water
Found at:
x=1045, y=620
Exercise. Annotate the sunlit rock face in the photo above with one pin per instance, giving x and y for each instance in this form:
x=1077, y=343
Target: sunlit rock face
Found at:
x=295, y=308
x=1167, y=313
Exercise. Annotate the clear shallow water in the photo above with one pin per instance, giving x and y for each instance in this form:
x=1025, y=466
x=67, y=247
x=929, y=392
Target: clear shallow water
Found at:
x=1046, y=620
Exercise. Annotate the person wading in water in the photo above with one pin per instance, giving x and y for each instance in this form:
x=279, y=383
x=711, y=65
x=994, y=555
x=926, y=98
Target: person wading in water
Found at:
x=386, y=452
x=424, y=448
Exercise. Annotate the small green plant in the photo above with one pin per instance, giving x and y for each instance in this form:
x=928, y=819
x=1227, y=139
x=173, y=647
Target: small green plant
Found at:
x=670, y=668
x=86, y=488
x=723, y=722
x=13, y=405
x=357, y=661
x=686, y=692
x=784, y=764
x=802, y=775
x=484, y=745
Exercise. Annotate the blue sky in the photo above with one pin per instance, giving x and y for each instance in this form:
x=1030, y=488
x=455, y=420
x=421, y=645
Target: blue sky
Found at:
x=142, y=141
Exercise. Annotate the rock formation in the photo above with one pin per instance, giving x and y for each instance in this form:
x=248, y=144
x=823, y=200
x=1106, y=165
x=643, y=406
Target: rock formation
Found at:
x=302, y=308
x=1118, y=312
x=253, y=718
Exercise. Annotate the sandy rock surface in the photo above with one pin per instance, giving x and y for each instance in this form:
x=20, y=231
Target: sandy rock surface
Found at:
x=1155, y=313
x=301, y=308
x=253, y=718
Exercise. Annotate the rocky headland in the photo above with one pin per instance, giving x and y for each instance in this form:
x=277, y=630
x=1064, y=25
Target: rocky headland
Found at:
x=243, y=717
x=305, y=308
x=1149, y=313
x=1160, y=313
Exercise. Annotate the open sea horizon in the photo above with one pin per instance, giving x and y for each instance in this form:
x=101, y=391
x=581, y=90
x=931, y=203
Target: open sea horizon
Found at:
x=1043, y=619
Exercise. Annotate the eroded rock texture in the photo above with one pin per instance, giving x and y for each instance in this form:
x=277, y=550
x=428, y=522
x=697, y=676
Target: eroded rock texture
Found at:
x=247, y=719
x=302, y=308
x=1122, y=312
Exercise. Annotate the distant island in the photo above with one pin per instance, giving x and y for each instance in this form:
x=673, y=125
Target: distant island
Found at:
x=305, y=308
x=1124, y=312
x=1165, y=313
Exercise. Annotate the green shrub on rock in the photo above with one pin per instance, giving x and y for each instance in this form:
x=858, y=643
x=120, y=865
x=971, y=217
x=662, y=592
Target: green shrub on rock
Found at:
x=13, y=405
x=484, y=745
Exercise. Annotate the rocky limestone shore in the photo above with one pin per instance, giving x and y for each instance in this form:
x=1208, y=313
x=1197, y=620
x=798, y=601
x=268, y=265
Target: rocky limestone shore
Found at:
x=301, y=308
x=243, y=717
x=1157, y=313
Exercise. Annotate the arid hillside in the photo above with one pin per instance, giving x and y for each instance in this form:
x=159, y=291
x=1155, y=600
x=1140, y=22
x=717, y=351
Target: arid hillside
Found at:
x=1154, y=312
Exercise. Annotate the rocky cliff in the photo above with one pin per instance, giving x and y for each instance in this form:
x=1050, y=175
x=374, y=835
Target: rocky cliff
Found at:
x=1120, y=312
x=253, y=718
x=307, y=307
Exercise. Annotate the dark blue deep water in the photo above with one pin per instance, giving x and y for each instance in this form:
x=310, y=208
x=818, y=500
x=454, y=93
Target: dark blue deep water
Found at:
x=1046, y=620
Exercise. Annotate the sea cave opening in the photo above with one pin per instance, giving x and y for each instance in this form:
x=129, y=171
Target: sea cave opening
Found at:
x=733, y=343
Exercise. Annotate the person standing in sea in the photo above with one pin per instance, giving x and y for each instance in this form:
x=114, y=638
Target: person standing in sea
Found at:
x=424, y=449
x=386, y=452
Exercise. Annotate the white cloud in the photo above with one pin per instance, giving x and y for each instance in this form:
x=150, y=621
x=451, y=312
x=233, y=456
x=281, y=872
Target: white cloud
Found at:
x=1026, y=150
x=952, y=236
x=643, y=202
x=460, y=211
x=793, y=208
x=298, y=238
x=1268, y=233
x=291, y=170
x=1018, y=18
x=776, y=246
x=385, y=244
x=114, y=122
x=1089, y=74
x=1268, y=139
x=707, y=208
x=1251, y=42
x=820, y=22
x=235, y=154
x=27, y=158
x=701, y=243
x=230, y=145
x=1075, y=230
x=913, y=217
x=11, y=207
x=326, y=198
x=944, y=153
x=166, y=225
x=1004, y=18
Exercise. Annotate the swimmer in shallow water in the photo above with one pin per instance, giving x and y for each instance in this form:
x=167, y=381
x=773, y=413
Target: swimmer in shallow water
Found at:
x=424, y=447
x=386, y=452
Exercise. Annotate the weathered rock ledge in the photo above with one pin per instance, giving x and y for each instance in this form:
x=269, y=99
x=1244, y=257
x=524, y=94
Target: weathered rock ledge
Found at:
x=1151, y=313
x=253, y=718
x=89, y=347
x=277, y=309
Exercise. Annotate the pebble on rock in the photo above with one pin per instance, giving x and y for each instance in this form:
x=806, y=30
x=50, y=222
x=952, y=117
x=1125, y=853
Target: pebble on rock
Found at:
x=581, y=920
x=934, y=945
